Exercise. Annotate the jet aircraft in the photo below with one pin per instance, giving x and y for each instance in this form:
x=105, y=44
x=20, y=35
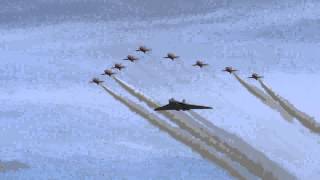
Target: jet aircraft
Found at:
x=108, y=72
x=96, y=81
x=229, y=70
x=131, y=58
x=255, y=76
x=177, y=105
x=200, y=64
x=143, y=49
x=118, y=66
x=171, y=56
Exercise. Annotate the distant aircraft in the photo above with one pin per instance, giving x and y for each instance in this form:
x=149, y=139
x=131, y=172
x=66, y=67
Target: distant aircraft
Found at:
x=143, y=49
x=171, y=56
x=229, y=70
x=118, y=66
x=131, y=58
x=96, y=81
x=255, y=76
x=177, y=105
x=108, y=72
x=200, y=64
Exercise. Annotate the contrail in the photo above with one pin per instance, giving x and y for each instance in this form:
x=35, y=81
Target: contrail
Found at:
x=264, y=98
x=238, y=143
x=265, y=170
x=304, y=119
x=184, y=137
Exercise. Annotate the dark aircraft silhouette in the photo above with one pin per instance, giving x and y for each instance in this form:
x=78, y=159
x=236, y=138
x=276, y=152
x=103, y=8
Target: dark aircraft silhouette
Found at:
x=171, y=56
x=96, y=81
x=200, y=64
x=118, y=66
x=177, y=105
x=131, y=58
x=255, y=76
x=108, y=72
x=143, y=49
x=229, y=70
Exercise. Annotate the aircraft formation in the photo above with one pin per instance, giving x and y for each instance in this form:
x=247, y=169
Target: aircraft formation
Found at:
x=173, y=104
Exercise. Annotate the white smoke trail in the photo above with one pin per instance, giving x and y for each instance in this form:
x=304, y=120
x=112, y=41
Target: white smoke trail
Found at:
x=264, y=98
x=184, y=137
x=303, y=118
x=265, y=170
x=237, y=143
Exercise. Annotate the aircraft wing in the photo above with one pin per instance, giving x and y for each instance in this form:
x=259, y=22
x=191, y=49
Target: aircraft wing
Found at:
x=166, y=107
x=191, y=106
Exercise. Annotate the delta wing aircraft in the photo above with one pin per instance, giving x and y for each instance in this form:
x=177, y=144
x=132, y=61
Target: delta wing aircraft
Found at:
x=177, y=105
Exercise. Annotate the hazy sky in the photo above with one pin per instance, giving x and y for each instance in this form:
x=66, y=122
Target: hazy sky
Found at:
x=14, y=12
